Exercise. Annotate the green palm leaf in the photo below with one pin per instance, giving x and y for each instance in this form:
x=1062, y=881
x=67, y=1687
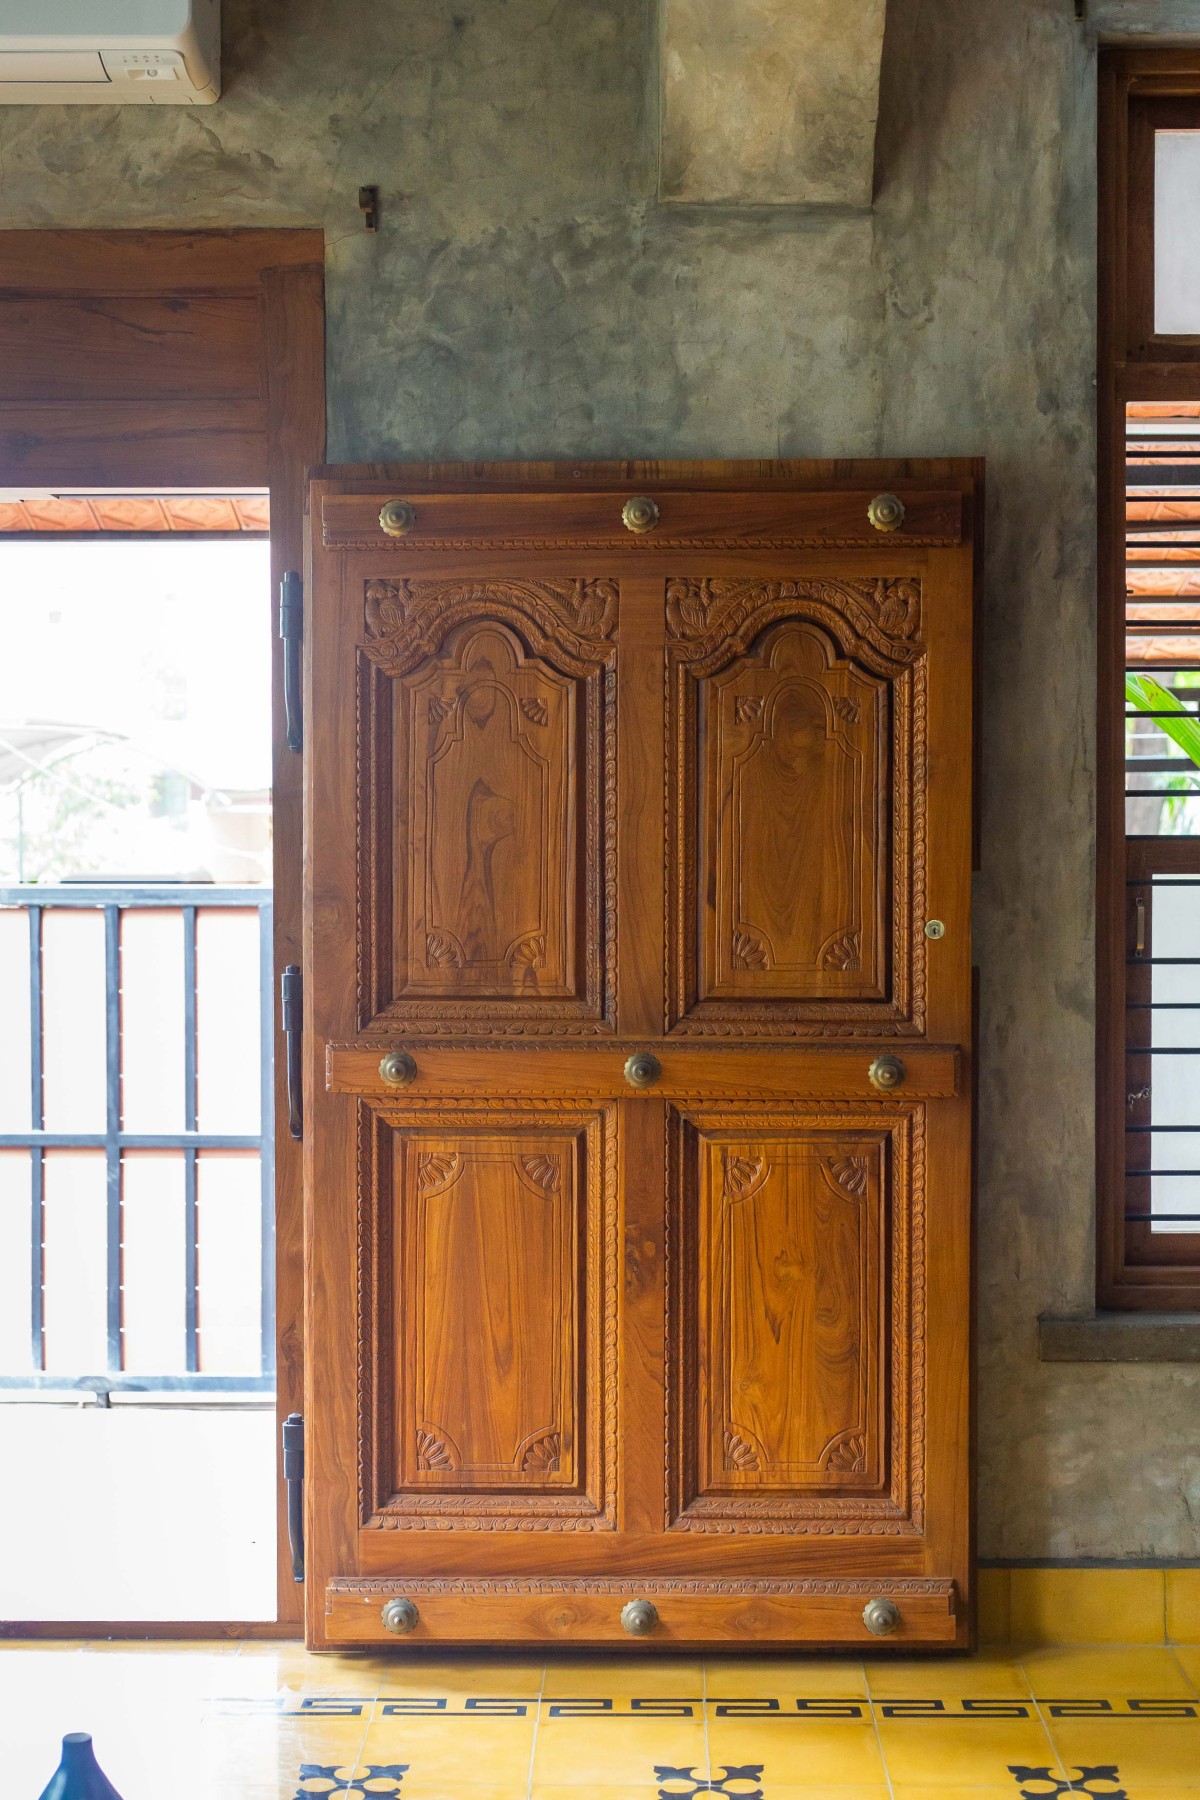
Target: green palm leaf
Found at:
x=1181, y=726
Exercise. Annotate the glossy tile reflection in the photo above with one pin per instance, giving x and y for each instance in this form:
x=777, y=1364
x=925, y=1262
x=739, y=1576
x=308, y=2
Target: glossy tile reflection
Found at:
x=269, y=1722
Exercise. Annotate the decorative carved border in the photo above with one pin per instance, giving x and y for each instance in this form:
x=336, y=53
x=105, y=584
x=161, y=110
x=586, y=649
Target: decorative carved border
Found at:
x=570, y=624
x=416, y=541
x=915, y=1587
x=592, y=1505
x=876, y=621
x=900, y=1512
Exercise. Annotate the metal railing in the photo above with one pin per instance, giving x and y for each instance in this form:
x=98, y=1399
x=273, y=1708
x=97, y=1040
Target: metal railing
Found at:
x=114, y=1141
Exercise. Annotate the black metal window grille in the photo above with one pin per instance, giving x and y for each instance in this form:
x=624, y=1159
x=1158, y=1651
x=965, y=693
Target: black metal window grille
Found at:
x=112, y=901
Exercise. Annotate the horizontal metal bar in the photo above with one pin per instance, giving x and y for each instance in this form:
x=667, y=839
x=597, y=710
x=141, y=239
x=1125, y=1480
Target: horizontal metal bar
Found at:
x=1146, y=1128
x=1166, y=1050
x=126, y=1140
x=1161, y=627
x=1165, y=1219
x=128, y=895
x=1159, y=765
x=137, y=1384
x=1158, y=1174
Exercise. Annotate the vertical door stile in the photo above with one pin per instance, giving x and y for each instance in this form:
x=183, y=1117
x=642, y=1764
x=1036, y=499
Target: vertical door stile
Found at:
x=642, y=1128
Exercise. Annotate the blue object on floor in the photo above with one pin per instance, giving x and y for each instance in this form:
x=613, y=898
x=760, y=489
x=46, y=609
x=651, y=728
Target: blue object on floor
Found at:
x=79, y=1776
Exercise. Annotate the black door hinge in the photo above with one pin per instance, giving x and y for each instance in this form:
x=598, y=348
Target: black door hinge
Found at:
x=292, y=1018
x=293, y=1474
x=291, y=630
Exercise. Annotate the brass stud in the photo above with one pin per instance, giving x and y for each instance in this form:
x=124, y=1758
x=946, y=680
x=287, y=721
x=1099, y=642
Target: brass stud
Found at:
x=640, y=514
x=400, y=1616
x=397, y=1069
x=642, y=1069
x=881, y=1617
x=934, y=928
x=639, y=1617
x=397, y=518
x=886, y=512
x=886, y=1072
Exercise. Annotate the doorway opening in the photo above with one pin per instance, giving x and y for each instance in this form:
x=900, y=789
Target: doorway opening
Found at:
x=137, y=1254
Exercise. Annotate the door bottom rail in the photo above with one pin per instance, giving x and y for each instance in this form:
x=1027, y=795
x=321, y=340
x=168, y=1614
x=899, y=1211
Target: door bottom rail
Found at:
x=908, y=1611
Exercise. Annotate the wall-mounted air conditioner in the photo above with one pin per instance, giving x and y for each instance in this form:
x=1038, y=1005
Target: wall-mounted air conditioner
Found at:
x=110, y=52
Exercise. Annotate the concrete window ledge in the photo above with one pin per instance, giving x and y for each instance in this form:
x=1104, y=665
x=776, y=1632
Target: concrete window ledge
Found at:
x=1121, y=1337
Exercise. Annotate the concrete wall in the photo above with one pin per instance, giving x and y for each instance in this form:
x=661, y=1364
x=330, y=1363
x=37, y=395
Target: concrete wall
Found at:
x=527, y=295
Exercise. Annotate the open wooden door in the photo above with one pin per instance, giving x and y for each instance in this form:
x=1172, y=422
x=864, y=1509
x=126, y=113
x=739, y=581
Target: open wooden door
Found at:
x=638, y=1026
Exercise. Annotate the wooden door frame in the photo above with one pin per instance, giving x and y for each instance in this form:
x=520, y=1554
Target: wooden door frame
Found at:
x=179, y=441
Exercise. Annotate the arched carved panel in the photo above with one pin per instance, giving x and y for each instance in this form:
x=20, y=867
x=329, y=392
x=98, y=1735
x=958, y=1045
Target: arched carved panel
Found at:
x=487, y=769
x=796, y=715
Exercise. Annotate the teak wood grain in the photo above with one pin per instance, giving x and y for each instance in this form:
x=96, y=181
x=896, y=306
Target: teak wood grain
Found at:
x=574, y=794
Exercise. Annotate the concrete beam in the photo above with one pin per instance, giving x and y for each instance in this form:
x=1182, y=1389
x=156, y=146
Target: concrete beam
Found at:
x=770, y=102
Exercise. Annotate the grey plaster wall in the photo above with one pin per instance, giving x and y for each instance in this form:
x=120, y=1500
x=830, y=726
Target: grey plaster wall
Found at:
x=527, y=295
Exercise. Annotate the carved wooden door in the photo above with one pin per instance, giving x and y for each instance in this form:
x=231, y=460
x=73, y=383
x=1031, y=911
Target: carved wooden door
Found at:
x=638, y=1027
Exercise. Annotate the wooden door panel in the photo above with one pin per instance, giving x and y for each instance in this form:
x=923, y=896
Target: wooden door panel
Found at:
x=487, y=1304
x=797, y=716
x=797, y=1334
x=488, y=1319
x=486, y=760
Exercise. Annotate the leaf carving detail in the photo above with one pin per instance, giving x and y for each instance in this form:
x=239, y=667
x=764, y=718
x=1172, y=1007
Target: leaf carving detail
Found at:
x=743, y=1174
x=443, y=950
x=850, y=1172
x=535, y=709
x=749, y=951
x=544, y=1171
x=432, y=1451
x=527, y=951
x=747, y=707
x=842, y=952
x=439, y=709
x=541, y=1457
x=739, y=1454
x=436, y=1169
x=847, y=709
x=848, y=1455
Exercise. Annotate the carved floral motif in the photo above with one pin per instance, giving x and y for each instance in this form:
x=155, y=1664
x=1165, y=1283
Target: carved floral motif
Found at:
x=739, y=1454
x=541, y=1456
x=879, y=618
x=749, y=950
x=572, y=620
x=432, y=1451
x=842, y=953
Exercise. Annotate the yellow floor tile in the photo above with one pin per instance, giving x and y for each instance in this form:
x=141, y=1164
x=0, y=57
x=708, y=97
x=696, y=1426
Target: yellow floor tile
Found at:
x=962, y=1752
x=624, y=1676
x=1148, y=1752
x=1183, y=1606
x=1189, y=1661
x=618, y=1751
x=457, y=1750
x=795, y=1751
x=784, y=1678
x=471, y=1676
x=1086, y=1606
x=1105, y=1674
x=988, y=1675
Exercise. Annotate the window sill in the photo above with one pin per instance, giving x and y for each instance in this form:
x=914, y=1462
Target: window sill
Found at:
x=1121, y=1337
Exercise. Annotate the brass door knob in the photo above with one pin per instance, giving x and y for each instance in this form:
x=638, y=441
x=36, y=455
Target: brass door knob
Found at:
x=886, y=1072
x=397, y=518
x=642, y=1070
x=639, y=1617
x=886, y=512
x=400, y=1615
x=881, y=1617
x=640, y=514
x=397, y=1068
